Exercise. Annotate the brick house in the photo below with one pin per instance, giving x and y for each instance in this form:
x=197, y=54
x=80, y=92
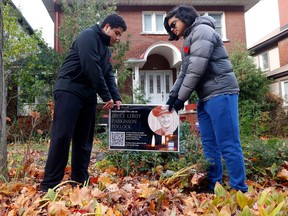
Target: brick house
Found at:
x=153, y=60
x=270, y=54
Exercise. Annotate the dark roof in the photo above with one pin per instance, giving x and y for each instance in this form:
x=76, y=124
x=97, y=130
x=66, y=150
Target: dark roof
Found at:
x=269, y=40
x=246, y=4
x=22, y=21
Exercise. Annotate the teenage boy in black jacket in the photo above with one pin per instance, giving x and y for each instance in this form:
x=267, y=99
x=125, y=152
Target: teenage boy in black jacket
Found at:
x=86, y=71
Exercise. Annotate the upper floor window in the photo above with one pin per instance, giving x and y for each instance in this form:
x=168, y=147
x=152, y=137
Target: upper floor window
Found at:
x=264, y=61
x=153, y=22
x=219, y=24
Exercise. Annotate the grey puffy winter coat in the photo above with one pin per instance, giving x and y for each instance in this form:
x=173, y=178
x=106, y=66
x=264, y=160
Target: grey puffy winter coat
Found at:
x=205, y=66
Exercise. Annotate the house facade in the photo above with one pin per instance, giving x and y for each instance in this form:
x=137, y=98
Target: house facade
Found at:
x=153, y=60
x=271, y=54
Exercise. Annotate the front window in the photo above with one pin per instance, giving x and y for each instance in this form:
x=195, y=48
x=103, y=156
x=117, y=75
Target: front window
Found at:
x=167, y=81
x=153, y=22
x=219, y=24
x=151, y=84
x=264, y=61
x=285, y=91
x=27, y=100
x=142, y=83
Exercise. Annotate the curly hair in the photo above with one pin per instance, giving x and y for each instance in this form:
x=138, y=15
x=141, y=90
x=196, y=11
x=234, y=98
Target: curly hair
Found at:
x=115, y=21
x=187, y=14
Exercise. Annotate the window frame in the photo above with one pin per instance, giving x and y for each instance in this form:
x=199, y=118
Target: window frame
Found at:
x=285, y=101
x=261, y=62
x=24, y=106
x=153, y=15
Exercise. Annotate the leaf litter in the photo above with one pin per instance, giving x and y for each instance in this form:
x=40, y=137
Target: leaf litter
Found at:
x=111, y=193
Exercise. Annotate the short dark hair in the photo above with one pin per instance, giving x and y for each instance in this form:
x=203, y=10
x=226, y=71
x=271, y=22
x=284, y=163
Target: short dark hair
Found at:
x=115, y=21
x=185, y=13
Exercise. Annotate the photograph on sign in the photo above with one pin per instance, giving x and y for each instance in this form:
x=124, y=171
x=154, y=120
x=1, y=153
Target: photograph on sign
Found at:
x=144, y=128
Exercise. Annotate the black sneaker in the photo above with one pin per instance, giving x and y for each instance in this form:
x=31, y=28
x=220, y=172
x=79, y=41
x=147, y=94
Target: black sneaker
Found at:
x=206, y=190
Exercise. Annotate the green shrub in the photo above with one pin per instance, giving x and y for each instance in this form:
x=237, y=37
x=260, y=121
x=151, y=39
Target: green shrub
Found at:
x=260, y=155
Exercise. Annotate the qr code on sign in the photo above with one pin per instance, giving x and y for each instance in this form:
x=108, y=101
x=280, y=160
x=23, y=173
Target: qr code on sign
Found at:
x=117, y=139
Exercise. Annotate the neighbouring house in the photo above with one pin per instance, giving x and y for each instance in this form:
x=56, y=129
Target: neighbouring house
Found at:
x=19, y=103
x=13, y=106
x=153, y=60
x=271, y=54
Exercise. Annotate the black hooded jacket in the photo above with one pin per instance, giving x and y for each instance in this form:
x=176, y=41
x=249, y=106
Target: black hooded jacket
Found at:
x=87, y=69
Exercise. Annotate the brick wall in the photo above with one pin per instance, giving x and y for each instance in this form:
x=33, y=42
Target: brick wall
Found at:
x=191, y=117
x=140, y=42
x=283, y=12
x=235, y=28
x=234, y=21
x=283, y=54
x=283, y=44
x=234, y=18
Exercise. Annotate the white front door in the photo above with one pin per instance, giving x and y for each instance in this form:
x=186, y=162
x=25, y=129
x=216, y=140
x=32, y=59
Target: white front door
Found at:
x=157, y=85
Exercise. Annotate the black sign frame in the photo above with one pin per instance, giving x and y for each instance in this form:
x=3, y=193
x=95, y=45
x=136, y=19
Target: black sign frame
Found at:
x=139, y=128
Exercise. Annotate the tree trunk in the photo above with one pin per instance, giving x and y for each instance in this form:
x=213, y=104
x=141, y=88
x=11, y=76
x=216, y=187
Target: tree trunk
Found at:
x=3, y=98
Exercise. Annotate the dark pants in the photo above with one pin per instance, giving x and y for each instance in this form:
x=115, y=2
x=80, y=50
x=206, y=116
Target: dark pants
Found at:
x=74, y=120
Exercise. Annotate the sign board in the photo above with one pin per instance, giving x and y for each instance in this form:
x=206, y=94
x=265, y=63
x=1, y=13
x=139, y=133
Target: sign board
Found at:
x=143, y=128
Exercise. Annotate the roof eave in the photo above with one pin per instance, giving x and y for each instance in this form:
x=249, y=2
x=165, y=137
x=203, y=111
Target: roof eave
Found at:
x=268, y=42
x=246, y=4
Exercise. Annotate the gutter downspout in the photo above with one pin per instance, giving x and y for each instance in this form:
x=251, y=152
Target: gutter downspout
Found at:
x=56, y=27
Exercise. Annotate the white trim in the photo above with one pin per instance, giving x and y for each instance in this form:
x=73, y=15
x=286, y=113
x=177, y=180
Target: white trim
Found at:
x=136, y=77
x=176, y=52
x=224, y=35
x=171, y=53
x=153, y=22
x=165, y=49
x=163, y=74
x=261, y=62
